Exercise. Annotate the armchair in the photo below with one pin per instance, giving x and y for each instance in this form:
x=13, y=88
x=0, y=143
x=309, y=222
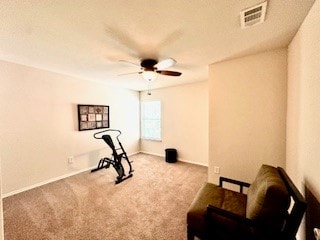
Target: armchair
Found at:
x=261, y=214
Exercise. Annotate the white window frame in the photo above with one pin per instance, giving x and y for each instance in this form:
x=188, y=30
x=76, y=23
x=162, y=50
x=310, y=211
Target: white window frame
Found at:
x=142, y=119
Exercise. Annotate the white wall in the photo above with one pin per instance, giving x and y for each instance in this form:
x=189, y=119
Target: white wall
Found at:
x=247, y=102
x=39, y=124
x=303, y=117
x=184, y=122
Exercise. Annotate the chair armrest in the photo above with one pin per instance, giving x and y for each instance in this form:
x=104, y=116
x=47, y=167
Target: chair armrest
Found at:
x=243, y=220
x=229, y=180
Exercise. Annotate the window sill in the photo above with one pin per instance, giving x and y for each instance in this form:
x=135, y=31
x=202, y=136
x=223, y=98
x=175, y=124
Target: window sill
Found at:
x=152, y=139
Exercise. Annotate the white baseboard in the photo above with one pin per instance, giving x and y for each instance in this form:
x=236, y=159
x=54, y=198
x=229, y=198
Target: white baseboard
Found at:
x=81, y=171
x=51, y=180
x=45, y=182
x=179, y=159
x=196, y=163
x=154, y=154
x=131, y=154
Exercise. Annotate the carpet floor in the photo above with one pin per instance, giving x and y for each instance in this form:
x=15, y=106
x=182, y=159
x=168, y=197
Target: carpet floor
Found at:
x=89, y=206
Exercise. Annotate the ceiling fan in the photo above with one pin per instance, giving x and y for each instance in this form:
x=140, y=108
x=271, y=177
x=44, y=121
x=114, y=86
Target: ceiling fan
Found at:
x=151, y=67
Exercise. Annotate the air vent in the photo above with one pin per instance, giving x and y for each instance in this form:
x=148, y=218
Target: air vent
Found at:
x=253, y=15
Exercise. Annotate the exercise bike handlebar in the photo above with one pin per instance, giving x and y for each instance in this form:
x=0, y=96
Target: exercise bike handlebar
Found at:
x=108, y=130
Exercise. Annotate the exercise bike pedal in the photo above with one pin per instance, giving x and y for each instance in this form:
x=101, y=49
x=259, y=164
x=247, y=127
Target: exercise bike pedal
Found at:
x=119, y=180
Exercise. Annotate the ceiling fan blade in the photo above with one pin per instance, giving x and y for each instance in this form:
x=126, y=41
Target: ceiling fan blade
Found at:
x=166, y=63
x=169, y=73
x=123, y=74
x=131, y=63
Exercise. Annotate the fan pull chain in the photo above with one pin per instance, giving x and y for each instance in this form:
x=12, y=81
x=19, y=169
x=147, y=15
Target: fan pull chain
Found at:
x=149, y=91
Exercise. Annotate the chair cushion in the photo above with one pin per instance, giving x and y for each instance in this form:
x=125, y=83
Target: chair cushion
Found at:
x=212, y=194
x=268, y=199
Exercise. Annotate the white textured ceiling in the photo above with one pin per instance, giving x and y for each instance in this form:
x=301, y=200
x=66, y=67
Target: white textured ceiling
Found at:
x=86, y=39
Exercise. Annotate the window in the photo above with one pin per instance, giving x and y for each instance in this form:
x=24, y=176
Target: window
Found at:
x=151, y=120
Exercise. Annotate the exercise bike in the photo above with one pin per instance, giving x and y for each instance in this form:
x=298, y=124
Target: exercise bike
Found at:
x=116, y=159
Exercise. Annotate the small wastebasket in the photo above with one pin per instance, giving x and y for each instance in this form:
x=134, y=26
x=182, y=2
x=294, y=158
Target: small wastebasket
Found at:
x=171, y=155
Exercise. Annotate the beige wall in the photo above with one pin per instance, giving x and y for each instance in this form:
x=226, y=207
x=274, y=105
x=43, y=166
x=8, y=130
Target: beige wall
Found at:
x=1, y=207
x=184, y=122
x=303, y=117
x=39, y=124
x=247, y=111
x=303, y=126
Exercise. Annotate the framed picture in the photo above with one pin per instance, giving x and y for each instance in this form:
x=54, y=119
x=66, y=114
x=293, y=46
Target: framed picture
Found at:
x=92, y=117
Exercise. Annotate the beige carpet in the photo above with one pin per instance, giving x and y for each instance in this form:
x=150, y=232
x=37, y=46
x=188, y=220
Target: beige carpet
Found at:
x=150, y=205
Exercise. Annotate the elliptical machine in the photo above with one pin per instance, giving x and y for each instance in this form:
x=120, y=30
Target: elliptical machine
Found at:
x=117, y=157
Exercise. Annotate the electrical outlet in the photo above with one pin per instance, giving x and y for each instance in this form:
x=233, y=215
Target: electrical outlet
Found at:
x=216, y=170
x=70, y=159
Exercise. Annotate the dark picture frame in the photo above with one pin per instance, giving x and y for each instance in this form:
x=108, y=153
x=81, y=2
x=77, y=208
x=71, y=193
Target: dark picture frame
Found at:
x=92, y=117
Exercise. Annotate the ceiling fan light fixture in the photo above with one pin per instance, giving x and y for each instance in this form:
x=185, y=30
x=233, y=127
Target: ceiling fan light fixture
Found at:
x=149, y=75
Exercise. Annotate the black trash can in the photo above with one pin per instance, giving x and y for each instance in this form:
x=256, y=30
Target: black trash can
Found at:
x=171, y=155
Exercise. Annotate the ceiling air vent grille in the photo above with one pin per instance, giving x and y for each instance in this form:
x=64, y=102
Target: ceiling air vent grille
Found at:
x=253, y=15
